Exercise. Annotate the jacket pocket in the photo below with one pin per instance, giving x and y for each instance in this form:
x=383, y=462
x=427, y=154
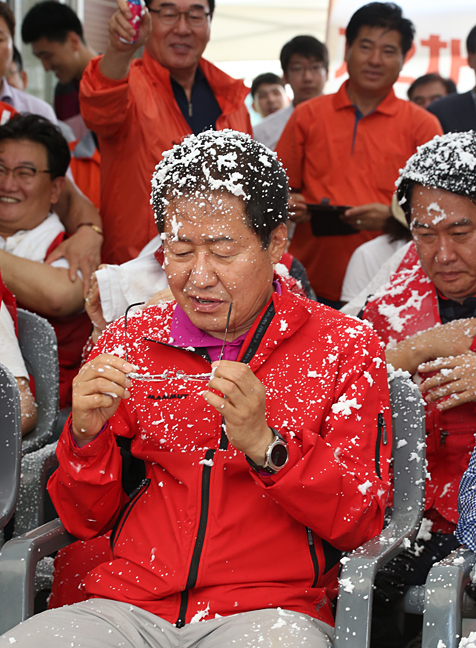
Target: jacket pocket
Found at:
x=312, y=551
x=126, y=511
x=381, y=438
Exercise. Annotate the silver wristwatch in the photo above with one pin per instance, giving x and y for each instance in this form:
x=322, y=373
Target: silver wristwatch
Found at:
x=276, y=456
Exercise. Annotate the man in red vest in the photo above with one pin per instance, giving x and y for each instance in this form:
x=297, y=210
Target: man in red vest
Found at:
x=426, y=315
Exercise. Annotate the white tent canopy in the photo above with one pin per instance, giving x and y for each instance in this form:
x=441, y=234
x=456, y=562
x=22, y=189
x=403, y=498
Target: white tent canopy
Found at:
x=252, y=31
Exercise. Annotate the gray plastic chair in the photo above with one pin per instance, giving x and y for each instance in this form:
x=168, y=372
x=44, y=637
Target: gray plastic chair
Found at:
x=39, y=348
x=10, y=444
x=354, y=607
x=446, y=603
x=35, y=468
x=19, y=557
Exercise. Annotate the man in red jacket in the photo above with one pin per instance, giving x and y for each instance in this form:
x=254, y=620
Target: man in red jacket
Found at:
x=141, y=108
x=262, y=419
x=426, y=315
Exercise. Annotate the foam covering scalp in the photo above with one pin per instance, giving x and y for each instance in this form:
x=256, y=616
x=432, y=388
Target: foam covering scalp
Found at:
x=446, y=162
x=228, y=161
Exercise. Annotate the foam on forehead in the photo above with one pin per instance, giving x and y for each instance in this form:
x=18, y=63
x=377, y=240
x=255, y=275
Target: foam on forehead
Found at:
x=446, y=162
x=224, y=160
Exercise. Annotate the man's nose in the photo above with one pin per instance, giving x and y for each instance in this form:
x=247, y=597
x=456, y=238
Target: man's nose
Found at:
x=446, y=251
x=182, y=26
x=202, y=273
x=8, y=182
x=375, y=57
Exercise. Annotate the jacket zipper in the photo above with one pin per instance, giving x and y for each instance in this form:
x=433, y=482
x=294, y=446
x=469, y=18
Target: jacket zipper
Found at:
x=312, y=551
x=202, y=526
x=381, y=435
x=121, y=520
x=197, y=551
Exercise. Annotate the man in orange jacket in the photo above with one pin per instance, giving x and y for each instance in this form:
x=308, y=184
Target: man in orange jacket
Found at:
x=140, y=108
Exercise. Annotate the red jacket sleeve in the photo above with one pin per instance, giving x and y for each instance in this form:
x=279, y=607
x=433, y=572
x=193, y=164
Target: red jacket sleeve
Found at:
x=86, y=489
x=104, y=102
x=336, y=482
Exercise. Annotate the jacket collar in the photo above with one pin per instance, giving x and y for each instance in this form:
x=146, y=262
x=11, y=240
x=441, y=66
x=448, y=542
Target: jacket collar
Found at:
x=228, y=92
x=282, y=316
x=388, y=106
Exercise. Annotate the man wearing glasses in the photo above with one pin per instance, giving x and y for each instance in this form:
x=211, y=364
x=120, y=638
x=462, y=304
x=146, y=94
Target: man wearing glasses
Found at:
x=305, y=63
x=140, y=108
x=34, y=157
x=261, y=418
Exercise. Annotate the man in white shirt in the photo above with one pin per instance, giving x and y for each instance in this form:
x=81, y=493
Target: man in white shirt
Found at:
x=34, y=157
x=305, y=63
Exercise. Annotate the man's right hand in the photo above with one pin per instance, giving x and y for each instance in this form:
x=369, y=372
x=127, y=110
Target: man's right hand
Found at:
x=114, y=64
x=298, y=211
x=120, y=28
x=98, y=389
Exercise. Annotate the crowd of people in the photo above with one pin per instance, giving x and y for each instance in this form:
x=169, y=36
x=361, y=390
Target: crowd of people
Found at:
x=229, y=430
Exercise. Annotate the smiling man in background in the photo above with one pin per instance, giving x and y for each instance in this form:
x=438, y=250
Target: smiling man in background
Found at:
x=269, y=94
x=346, y=148
x=138, y=109
x=56, y=36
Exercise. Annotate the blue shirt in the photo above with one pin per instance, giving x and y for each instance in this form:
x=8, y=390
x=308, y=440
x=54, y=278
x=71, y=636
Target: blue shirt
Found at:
x=203, y=109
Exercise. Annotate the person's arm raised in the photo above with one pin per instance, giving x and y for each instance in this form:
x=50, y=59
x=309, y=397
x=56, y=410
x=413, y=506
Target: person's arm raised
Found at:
x=120, y=49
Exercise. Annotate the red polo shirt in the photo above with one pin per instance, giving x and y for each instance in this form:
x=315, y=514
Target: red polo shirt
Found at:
x=329, y=152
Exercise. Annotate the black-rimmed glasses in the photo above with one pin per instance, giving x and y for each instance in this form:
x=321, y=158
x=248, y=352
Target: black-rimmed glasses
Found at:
x=168, y=374
x=195, y=17
x=21, y=173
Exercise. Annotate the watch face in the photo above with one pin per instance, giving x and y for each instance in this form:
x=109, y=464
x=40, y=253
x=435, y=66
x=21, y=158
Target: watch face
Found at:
x=279, y=455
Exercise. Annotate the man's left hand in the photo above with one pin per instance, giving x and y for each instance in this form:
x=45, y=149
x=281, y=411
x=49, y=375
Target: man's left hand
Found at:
x=243, y=406
x=83, y=252
x=456, y=379
x=368, y=217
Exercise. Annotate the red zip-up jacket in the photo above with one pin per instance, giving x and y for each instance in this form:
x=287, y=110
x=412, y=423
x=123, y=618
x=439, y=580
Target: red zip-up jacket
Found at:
x=136, y=119
x=406, y=305
x=205, y=533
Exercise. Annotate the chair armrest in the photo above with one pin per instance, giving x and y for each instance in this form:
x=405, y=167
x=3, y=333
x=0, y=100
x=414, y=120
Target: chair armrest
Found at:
x=18, y=560
x=354, y=608
x=31, y=499
x=445, y=585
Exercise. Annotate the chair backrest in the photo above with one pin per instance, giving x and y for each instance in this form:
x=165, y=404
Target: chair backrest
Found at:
x=409, y=451
x=10, y=444
x=354, y=608
x=39, y=348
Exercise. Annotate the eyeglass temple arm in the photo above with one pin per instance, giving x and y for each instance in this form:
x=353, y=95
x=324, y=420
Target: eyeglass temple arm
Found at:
x=226, y=331
x=125, y=324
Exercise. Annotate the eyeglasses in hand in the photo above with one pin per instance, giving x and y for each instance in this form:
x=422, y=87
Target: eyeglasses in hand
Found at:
x=167, y=374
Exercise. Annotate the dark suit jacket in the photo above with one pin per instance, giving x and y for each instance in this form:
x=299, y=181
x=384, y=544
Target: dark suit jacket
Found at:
x=456, y=112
